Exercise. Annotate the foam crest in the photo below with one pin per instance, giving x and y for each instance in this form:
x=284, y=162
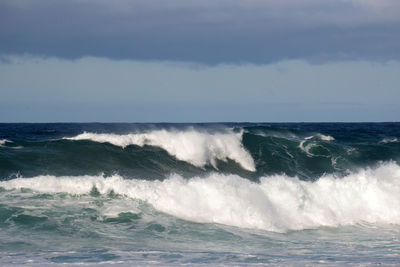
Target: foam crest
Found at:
x=4, y=141
x=193, y=146
x=389, y=140
x=277, y=203
x=321, y=137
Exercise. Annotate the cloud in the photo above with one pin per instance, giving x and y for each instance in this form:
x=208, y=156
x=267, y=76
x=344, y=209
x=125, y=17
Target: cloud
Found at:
x=208, y=32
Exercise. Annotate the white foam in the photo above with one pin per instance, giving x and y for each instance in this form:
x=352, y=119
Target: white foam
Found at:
x=321, y=137
x=306, y=148
x=389, y=140
x=4, y=141
x=311, y=143
x=196, y=147
x=277, y=203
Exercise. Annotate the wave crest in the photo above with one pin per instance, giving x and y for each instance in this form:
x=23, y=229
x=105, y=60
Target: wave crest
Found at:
x=196, y=147
x=321, y=137
x=389, y=140
x=4, y=141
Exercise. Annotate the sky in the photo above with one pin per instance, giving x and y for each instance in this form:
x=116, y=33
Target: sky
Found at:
x=199, y=61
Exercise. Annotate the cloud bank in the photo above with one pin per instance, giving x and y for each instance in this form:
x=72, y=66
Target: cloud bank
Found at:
x=206, y=32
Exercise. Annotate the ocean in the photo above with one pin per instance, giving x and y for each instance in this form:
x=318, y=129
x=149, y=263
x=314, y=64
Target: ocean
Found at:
x=221, y=194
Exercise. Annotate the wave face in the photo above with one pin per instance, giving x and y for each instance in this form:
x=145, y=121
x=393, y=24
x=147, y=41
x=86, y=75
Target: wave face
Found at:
x=276, y=203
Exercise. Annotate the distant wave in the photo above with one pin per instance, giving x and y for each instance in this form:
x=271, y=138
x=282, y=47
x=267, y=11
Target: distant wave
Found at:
x=321, y=137
x=389, y=140
x=4, y=141
x=196, y=147
x=278, y=203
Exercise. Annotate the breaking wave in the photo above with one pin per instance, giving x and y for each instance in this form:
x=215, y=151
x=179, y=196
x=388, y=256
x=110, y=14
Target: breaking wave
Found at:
x=321, y=137
x=4, y=141
x=277, y=203
x=193, y=146
x=389, y=140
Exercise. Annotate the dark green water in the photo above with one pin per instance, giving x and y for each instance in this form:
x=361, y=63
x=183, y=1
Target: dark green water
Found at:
x=304, y=150
x=203, y=194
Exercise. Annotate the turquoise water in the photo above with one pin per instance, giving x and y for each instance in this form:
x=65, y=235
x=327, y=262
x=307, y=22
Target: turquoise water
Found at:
x=127, y=194
x=60, y=228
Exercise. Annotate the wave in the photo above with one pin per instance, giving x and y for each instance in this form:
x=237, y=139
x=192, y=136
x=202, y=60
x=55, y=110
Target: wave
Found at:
x=4, y=141
x=193, y=146
x=389, y=140
x=321, y=137
x=277, y=203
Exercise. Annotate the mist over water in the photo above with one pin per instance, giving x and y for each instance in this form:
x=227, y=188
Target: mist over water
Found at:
x=224, y=194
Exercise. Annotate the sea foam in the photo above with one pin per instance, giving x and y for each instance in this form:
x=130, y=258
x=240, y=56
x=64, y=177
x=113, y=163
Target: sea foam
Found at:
x=321, y=137
x=389, y=140
x=196, y=147
x=277, y=203
x=4, y=141
x=311, y=142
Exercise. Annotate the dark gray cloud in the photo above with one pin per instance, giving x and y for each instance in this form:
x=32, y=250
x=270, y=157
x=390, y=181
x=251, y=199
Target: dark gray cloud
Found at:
x=209, y=32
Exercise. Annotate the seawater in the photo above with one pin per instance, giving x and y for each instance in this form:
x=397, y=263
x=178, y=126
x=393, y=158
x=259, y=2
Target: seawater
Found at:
x=200, y=194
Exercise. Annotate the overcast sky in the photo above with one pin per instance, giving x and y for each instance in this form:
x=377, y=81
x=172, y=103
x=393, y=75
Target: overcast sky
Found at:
x=191, y=61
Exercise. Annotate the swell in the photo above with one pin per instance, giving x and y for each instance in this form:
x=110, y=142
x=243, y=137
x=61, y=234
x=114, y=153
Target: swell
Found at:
x=64, y=157
x=250, y=151
x=310, y=151
x=277, y=203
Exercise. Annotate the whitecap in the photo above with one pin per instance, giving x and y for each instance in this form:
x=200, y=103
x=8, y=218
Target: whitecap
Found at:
x=321, y=137
x=389, y=140
x=4, y=141
x=277, y=203
x=194, y=146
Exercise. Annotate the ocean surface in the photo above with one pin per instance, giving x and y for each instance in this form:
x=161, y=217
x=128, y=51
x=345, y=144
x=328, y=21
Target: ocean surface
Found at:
x=200, y=194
